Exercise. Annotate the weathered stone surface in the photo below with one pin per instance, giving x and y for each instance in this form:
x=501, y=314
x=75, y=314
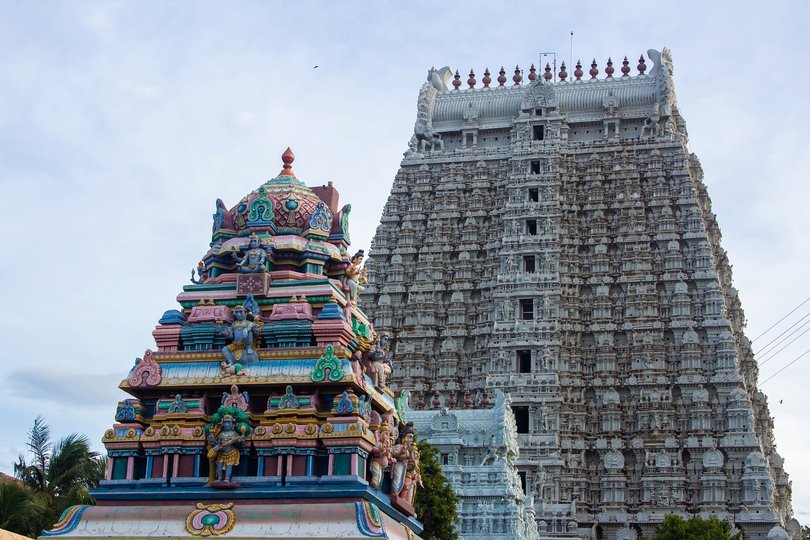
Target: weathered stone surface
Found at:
x=559, y=244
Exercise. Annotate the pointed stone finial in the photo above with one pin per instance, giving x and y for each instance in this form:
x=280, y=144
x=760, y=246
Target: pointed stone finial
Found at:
x=578, y=71
x=287, y=157
x=625, y=67
x=562, y=74
x=547, y=75
x=517, y=77
x=501, y=77
x=456, y=80
x=487, y=79
x=532, y=73
x=594, y=71
x=471, y=81
x=609, y=70
x=642, y=67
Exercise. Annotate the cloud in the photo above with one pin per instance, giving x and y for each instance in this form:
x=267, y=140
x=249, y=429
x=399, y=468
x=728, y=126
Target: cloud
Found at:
x=67, y=387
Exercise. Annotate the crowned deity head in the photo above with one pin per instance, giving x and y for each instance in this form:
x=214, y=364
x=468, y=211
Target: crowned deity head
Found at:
x=240, y=313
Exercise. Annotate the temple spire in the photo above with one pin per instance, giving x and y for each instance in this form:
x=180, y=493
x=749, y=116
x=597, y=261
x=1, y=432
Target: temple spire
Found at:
x=287, y=157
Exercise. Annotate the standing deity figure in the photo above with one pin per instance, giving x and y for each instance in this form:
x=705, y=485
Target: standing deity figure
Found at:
x=255, y=257
x=252, y=306
x=224, y=448
x=382, y=452
x=240, y=351
x=405, y=472
x=354, y=274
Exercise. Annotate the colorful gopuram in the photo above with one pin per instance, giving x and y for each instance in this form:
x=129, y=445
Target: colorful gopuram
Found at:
x=264, y=410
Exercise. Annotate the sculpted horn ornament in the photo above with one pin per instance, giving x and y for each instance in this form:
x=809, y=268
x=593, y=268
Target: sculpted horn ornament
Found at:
x=147, y=371
x=211, y=520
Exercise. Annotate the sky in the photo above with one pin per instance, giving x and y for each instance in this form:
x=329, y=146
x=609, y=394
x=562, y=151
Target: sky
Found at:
x=122, y=122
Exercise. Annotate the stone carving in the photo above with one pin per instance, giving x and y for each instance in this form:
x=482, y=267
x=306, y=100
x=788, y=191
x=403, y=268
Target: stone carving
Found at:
x=631, y=292
x=240, y=352
x=255, y=257
x=613, y=460
x=353, y=276
x=146, y=372
x=227, y=432
x=178, y=405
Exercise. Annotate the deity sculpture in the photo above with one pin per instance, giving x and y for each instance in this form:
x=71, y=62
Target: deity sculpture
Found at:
x=405, y=474
x=377, y=361
x=354, y=274
x=227, y=432
x=382, y=452
x=255, y=258
x=239, y=352
x=254, y=313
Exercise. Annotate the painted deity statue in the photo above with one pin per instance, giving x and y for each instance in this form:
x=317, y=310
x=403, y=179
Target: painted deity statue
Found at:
x=405, y=474
x=255, y=257
x=383, y=456
x=252, y=306
x=353, y=276
x=239, y=353
x=224, y=449
x=378, y=361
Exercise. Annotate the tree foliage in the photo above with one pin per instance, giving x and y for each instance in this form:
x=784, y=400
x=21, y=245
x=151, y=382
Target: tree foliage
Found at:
x=20, y=511
x=695, y=528
x=56, y=476
x=435, y=503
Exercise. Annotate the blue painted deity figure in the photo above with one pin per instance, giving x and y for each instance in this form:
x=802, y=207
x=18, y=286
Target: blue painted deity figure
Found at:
x=252, y=307
x=225, y=449
x=239, y=353
x=255, y=257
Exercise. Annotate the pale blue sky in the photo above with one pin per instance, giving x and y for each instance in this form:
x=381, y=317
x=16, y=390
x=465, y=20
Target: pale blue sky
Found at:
x=121, y=123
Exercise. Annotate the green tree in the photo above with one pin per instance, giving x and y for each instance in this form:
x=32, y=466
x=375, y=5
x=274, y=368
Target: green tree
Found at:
x=695, y=528
x=20, y=511
x=435, y=503
x=59, y=474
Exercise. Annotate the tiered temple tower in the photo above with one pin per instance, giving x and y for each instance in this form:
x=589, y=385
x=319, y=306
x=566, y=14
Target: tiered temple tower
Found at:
x=264, y=411
x=553, y=238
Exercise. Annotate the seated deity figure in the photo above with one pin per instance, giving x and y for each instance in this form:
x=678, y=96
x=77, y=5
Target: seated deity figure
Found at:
x=239, y=352
x=225, y=449
x=255, y=258
x=378, y=361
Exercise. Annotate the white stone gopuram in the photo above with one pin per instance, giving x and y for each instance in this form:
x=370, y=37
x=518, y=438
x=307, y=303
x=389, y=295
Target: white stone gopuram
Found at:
x=478, y=451
x=553, y=238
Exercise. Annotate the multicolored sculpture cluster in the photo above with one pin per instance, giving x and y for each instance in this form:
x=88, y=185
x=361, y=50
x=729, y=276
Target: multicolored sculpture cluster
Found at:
x=271, y=324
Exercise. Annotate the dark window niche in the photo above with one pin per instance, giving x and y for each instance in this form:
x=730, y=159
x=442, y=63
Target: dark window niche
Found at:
x=531, y=227
x=521, y=418
x=538, y=132
x=527, y=309
x=528, y=263
x=524, y=361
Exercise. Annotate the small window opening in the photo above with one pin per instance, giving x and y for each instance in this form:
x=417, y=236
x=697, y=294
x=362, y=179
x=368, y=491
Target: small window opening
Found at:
x=538, y=133
x=528, y=263
x=534, y=195
x=534, y=167
x=524, y=359
x=522, y=475
x=538, y=112
x=521, y=418
x=531, y=227
x=445, y=459
x=527, y=309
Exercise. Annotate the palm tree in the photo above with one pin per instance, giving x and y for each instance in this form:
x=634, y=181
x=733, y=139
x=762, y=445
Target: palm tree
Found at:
x=20, y=512
x=59, y=474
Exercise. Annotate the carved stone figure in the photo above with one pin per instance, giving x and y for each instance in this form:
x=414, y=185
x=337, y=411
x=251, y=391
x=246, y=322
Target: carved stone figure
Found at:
x=224, y=448
x=353, y=276
x=255, y=257
x=382, y=454
x=239, y=353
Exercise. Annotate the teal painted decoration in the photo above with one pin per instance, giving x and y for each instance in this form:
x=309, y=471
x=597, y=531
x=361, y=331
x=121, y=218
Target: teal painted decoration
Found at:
x=328, y=361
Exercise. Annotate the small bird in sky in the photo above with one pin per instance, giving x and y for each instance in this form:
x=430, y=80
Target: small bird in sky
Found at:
x=314, y=67
x=780, y=401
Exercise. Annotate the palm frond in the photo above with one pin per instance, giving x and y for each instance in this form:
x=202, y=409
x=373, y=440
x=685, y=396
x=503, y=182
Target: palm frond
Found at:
x=39, y=442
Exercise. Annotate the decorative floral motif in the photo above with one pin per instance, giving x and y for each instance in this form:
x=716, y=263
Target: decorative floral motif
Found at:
x=126, y=413
x=147, y=371
x=321, y=218
x=261, y=210
x=328, y=361
x=211, y=520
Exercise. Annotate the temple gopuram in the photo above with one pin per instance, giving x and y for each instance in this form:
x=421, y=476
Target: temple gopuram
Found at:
x=263, y=411
x=550, y=235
